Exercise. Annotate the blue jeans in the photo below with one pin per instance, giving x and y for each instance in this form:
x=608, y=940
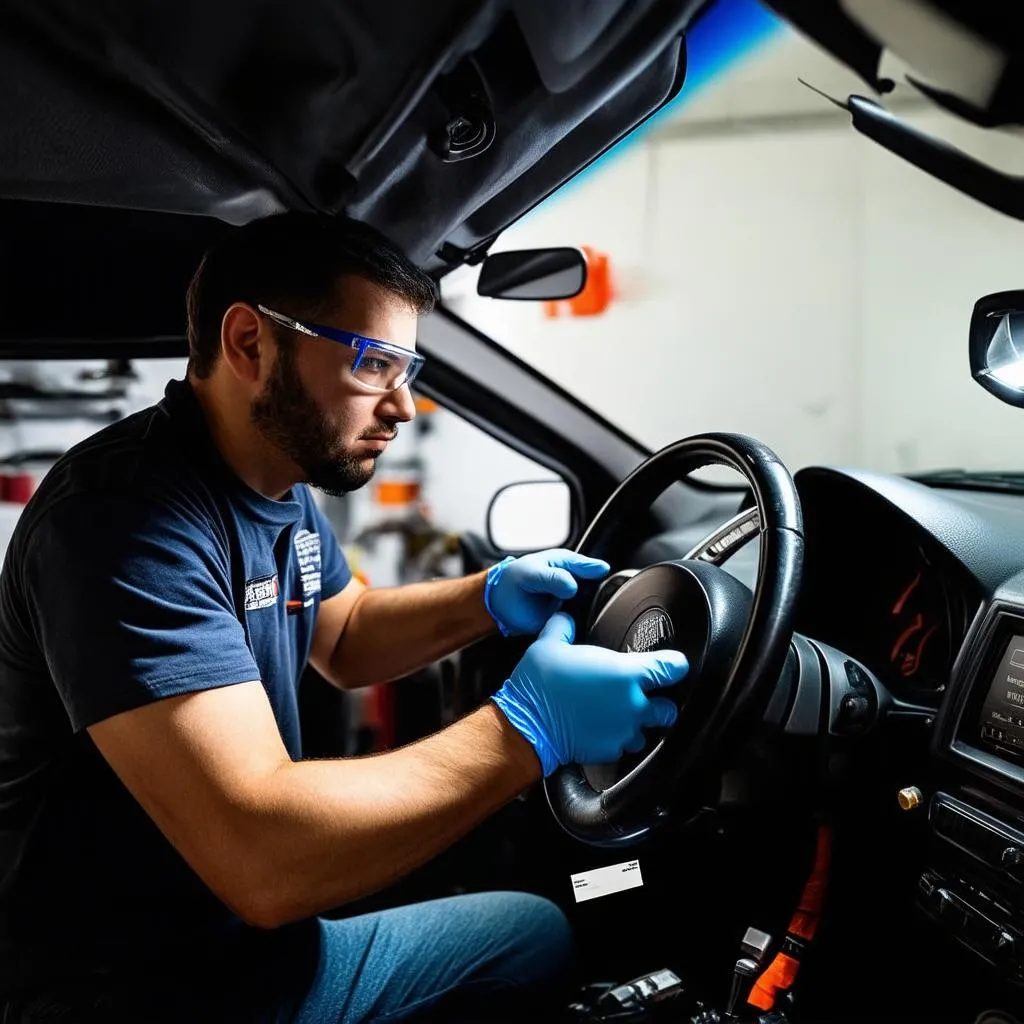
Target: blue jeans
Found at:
x=470, y=958
x=486, y=957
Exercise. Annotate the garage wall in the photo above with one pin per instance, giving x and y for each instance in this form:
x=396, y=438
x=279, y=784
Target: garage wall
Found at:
x=782, y=276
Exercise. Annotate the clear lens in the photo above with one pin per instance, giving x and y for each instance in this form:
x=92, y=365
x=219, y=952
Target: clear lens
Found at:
x=1005, y=356
x=379, y=366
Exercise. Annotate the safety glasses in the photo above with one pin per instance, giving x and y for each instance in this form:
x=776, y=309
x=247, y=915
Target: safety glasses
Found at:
x=377, y=365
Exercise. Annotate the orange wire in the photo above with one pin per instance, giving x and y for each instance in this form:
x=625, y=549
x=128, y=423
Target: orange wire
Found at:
x=781, y=973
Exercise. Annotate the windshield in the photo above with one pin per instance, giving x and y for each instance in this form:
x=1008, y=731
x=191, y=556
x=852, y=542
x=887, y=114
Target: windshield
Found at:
x=774, y=273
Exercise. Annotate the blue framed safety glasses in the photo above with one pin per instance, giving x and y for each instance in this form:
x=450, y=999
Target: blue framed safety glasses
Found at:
x=378, y=365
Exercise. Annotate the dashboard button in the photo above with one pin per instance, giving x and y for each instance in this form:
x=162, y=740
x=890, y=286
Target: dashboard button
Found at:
x=951, y=910
x=1012, y=860
x=1004, y=945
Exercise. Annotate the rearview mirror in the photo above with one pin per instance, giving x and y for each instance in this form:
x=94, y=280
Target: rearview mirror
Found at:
x=533, y=274
x=530, y=516
x=997, y=345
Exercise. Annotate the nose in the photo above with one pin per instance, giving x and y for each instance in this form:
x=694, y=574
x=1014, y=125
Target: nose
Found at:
x=397, y=405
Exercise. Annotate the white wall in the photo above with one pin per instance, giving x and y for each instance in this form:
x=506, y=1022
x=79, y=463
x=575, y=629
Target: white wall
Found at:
x=781, y=276
x=929, y=253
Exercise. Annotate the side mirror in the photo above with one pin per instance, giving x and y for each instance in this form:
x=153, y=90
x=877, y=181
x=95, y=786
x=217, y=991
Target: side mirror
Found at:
x=533, y=274
x=997, y=345
x=530, y=516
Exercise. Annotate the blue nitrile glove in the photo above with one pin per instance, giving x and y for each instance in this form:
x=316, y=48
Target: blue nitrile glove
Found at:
x=521, y=594
x=586, y=704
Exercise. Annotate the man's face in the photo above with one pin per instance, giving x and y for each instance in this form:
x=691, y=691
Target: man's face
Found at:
x=314, y=411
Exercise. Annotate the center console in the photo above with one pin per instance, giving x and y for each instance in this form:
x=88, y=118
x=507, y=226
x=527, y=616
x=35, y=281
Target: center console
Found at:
x=1000, y=722
x=973, y=885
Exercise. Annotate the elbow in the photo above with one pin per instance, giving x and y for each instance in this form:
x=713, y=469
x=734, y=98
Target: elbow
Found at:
x=347, y=674
x=262, y=905
x=261, y=910
x=251, y=884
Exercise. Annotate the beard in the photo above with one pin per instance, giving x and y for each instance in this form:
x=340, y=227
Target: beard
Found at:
x=288, y=416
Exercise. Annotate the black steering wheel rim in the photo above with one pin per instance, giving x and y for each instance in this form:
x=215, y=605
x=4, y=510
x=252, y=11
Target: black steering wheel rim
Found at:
x=627, y=811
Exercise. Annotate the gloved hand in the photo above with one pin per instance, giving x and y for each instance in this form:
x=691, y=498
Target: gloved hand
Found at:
x=521, y=594
x=586, y=704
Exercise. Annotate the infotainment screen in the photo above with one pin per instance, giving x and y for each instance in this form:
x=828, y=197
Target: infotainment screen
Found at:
x=1002, y=715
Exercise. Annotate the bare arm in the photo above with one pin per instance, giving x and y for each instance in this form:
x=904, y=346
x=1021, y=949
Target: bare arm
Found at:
x=279, y=840
x=366, y=635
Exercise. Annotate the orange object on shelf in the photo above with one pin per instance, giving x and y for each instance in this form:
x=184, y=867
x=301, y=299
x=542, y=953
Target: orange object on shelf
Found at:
x=397, y=492
x=597, y=293
x=425, y=406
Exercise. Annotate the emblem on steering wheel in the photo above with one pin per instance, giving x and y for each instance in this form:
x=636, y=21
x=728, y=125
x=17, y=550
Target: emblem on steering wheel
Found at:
x=650, y=631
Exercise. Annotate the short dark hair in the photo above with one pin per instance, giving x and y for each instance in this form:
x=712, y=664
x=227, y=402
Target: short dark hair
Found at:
x=293, y=261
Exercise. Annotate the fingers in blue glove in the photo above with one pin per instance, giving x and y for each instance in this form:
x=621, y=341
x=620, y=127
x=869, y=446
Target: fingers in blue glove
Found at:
x=663, y=668
x=587, y=704
x=581, y=566
x=660, y=713
x=558, y=583
x=636, y=744
x=559, y=627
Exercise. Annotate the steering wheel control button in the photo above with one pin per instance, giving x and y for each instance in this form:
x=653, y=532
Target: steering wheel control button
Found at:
x=910, y=798
x=720, y=547
x=858, y=708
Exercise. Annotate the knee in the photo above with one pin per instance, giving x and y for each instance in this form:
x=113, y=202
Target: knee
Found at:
x=540, y=932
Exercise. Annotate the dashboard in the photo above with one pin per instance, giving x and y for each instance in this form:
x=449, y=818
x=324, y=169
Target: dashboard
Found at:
x=924, y=587
x=882, y=587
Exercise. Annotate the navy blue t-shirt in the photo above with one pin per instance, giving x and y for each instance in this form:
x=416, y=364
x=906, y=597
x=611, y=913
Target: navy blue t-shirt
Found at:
x=142, y=568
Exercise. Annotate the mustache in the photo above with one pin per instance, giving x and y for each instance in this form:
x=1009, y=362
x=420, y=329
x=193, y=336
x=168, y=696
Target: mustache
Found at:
x=384, y=430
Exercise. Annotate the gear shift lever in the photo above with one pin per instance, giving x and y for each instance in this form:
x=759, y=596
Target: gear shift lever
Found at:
x=752, y=950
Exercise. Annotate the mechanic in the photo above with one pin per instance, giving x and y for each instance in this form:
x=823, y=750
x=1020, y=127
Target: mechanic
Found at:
x=165, y=851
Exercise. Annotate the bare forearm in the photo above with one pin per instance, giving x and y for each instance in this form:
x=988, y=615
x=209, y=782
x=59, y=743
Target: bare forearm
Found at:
x=395, y=631
x=332, y=831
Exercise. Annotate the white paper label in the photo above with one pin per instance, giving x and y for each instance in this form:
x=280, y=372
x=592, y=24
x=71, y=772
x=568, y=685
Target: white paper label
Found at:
x=588, y=885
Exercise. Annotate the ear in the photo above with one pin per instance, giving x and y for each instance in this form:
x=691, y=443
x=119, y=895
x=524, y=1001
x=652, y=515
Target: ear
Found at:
x=244, y=342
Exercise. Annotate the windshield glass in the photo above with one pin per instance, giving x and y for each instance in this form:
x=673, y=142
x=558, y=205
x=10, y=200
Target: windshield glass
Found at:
x=762, y=268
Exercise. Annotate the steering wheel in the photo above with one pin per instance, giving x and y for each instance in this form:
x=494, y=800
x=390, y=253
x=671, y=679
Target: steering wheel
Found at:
x=736, y=642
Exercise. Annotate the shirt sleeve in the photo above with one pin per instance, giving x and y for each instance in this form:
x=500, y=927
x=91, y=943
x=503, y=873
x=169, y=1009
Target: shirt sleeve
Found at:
x=132, y=602
x=334, y=569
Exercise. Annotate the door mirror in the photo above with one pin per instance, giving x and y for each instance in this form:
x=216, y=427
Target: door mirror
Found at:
x=534, y=274
x=530, y=516
x=997, y=345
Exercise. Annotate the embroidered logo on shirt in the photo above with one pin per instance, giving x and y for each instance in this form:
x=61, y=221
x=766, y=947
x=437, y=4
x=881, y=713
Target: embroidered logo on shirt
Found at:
x=307, y=549
x=261, y=593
